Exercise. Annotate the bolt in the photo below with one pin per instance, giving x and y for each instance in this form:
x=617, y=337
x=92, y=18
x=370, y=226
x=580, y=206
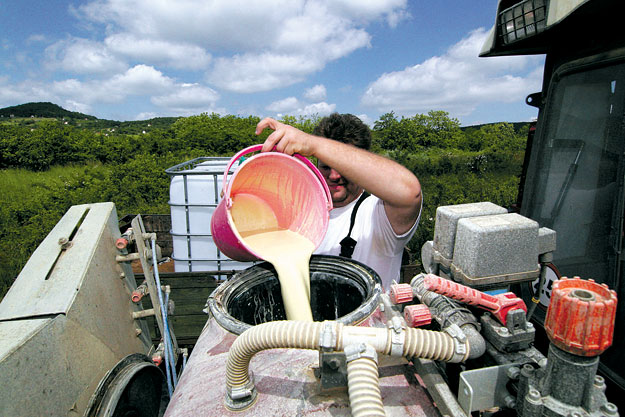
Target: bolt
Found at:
x=503, y=330
x=599, y=382
x=333, y=364
x=513, y=372
x=609, y=409
x=533, y=395
x=509, y=401
x=65, y=243
x=138, y=332
x=527, y=370
x=575, y=414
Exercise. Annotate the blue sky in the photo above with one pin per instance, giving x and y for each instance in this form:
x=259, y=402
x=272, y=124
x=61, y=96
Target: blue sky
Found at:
x=133, y=60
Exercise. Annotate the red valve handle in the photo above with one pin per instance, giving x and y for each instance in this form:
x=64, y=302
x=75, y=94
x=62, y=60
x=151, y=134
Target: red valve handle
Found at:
x=499, y=305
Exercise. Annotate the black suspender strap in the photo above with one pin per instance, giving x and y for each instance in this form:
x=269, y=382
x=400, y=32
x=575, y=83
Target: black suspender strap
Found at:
x=348, y=244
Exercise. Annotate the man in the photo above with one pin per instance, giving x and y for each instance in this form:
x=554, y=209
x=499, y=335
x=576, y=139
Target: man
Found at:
x=387, y=219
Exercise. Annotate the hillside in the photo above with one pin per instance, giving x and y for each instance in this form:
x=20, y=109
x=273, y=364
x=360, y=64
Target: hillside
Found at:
x=42, y=109
x=30, y=114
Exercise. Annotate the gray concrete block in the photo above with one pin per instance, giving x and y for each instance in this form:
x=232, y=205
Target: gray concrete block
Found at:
x=497, y=245
x=447, y=221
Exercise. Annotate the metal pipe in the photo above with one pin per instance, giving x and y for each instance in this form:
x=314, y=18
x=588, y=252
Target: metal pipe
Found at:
x=143, y=313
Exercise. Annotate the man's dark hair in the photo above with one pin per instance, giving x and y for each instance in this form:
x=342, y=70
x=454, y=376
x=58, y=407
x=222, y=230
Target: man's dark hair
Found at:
x=345, y=128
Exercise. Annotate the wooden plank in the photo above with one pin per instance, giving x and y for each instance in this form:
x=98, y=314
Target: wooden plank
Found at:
x=186, y=328
x=189, y=292
x=187, y=301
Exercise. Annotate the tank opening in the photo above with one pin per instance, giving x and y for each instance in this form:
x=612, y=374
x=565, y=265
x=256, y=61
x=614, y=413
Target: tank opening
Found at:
x=341, y=289
x=331, y=297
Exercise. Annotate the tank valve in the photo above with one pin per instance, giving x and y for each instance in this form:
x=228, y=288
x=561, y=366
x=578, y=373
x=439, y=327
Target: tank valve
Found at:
x=417, y=315
x=140, y=292
x=581, y=315
x=127, y=238
x=400, y=293
x=159, y=353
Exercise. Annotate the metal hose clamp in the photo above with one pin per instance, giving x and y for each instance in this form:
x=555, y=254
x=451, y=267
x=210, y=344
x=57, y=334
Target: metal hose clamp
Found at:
x=328, y=336
x=398, y=336
x=241, y=397
x=461, y=345
x=360, y=350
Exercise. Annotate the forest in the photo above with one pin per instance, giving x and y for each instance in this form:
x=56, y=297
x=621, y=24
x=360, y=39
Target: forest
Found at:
x=49, y=162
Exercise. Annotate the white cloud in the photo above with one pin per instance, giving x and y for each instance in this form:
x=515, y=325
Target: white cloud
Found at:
x=316, y=93
x=174, y=99
x=137, y=81
x=319, y=109
x=457, y=81
x=253, y=73
x=393, y=11
x=366, y=119
x=293, y=107
x=35, y=38
x=175, y=55
x=145, y=115
x=75, y=106
x=82, y=56
x=259, y=45
x=188, y=96
x=284, y=106
x=27, y=91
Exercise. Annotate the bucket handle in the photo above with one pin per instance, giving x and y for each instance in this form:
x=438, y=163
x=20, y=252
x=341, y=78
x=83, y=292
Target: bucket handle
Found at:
x=258, y=147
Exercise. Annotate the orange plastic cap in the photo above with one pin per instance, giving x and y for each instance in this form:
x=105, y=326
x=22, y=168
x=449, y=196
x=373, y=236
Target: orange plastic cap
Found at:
x=417, y=315
x=400, y=293
x=580, y=318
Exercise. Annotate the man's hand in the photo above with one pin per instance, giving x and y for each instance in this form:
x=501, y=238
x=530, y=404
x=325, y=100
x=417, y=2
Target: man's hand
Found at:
x=285, y=138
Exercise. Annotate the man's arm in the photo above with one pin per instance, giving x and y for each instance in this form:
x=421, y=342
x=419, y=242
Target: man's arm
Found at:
x=386, y=179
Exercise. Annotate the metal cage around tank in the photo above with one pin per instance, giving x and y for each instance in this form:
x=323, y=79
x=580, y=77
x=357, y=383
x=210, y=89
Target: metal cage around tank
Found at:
x=194, y=194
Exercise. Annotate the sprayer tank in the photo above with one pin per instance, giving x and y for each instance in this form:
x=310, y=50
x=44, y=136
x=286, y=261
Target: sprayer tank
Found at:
x=287, y=380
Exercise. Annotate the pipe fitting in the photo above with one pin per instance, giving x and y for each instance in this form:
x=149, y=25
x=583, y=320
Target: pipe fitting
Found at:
x=140, y=292
x=328, y=335
x=241, y=397
x=398, y=336
x=360, y=350
x=461, y=347
x=451, y=346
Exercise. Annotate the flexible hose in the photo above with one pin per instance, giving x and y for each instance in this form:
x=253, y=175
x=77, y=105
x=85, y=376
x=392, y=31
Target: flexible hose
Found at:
x=363, y=388
x=427, y=344
x=420, y=343
x=169, y=344
x=271, y=335
x=170, y=368
x=447, y=311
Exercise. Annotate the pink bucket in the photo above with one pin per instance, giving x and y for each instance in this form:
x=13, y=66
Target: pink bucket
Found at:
x=289, y=189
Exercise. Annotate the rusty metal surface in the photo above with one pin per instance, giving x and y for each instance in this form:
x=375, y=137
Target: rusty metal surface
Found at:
x=286, y=384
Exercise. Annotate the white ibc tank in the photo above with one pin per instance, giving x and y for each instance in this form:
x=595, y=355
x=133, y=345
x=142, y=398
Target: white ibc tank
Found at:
x=193, y=197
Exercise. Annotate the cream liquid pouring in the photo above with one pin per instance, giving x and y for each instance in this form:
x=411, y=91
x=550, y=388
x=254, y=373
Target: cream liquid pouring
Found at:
x=288, y=251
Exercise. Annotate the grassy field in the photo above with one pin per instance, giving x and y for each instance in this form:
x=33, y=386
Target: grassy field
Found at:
x=31, y=203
